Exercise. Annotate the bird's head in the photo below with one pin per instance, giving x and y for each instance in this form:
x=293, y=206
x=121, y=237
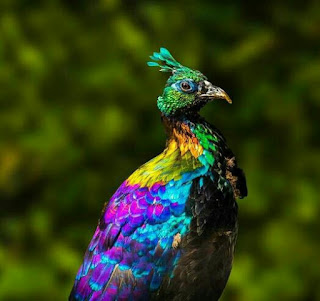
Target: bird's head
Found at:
x=187, y=90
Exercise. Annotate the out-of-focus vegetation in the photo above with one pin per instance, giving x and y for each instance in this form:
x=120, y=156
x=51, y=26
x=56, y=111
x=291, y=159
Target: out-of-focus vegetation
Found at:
x=78, y=115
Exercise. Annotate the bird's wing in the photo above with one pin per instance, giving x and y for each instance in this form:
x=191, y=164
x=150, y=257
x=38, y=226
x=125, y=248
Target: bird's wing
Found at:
x=205, y=264
x=134, y=245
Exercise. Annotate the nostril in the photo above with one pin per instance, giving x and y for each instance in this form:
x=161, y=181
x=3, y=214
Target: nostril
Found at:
x=204, y=87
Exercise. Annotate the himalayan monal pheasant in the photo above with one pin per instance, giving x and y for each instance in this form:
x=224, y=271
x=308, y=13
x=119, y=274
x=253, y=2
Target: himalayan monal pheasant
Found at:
x=169, y=231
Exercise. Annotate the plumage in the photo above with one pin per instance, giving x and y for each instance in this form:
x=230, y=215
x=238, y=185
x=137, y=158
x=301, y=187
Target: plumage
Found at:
x=169, y=231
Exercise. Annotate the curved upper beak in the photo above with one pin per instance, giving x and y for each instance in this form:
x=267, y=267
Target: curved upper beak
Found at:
x=210, y=92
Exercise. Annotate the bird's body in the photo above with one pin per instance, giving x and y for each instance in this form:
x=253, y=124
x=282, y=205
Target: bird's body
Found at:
x=169, y=231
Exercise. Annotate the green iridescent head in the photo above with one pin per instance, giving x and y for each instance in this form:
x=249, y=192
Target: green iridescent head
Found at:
x=187, y=90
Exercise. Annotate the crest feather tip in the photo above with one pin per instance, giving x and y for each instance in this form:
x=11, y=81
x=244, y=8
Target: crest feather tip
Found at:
x=167, y=63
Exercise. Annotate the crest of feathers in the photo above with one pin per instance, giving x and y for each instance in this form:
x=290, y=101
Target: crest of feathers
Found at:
x=165, y=61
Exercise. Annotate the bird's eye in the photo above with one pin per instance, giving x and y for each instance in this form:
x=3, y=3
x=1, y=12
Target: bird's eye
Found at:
x=185, y=86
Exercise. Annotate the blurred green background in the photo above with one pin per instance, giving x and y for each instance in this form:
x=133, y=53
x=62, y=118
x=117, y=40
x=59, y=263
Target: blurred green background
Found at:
x=78, y=115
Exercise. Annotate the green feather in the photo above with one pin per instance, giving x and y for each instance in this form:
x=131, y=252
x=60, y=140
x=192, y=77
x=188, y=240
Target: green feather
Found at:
x=167, y=61
x=153, y=64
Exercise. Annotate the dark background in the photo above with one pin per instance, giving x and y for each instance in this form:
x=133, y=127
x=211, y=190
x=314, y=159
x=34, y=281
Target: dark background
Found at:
x=78, y=115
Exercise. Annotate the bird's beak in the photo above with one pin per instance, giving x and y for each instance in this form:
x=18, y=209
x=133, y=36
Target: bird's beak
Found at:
x=210, y=92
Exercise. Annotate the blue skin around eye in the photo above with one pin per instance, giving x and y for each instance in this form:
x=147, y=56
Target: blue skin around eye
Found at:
x=193, y=85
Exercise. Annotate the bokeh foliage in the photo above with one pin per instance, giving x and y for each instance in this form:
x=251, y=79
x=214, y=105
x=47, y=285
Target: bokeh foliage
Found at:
x=78, y=115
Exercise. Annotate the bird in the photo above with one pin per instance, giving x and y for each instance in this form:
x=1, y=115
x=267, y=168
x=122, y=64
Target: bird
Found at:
x=170, y=229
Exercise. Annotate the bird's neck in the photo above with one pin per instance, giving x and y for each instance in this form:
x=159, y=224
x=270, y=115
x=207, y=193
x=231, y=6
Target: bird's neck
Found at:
x=190, y=147
x=189, y=134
